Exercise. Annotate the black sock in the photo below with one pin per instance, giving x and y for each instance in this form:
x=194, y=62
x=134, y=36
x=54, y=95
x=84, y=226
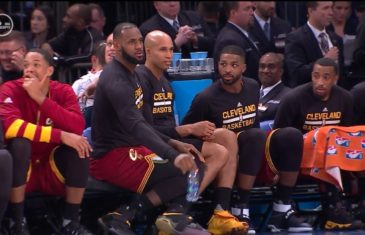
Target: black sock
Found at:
x=333, y=195
x=137, y=208
x=17, y=211
x=283, y=193
x=71, y=211
x=361, y=185
x=222, y=196
x=244, y=196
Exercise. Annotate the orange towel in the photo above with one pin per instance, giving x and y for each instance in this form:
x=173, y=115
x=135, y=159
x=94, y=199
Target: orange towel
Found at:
x=329, y=149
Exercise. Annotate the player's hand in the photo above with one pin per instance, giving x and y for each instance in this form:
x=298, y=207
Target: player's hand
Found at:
x=78, y=142
x=33, y=87
x=186, y=148
x=185, y=162
x=203, y=129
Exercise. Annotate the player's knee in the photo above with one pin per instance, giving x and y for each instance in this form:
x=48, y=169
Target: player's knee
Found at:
x=288, y=136
x=216, y=151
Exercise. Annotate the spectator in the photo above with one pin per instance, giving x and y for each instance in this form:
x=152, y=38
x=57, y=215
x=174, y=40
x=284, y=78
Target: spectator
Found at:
x=78, y=39
x=268, y=29
x=80, y=85
x=109, y=55
x=42, y=27
x=186, y=28
x=43, y=126
x=311, y=106
x=236, y=32
x=97, y=17
x=158, y=111
x=272, y=89
x=311, y=42
x=341, y=22
x=232, y=103
x=12, y=50
x=211, y=12
x=124, y=143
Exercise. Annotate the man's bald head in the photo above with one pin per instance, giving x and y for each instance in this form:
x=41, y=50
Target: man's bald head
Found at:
x=159, y=50
x=154, y=38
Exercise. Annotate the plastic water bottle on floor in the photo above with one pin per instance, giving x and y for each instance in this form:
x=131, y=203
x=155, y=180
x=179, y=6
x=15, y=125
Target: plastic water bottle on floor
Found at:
x=193, y=186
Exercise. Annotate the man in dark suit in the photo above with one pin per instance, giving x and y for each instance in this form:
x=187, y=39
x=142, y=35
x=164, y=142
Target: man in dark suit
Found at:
x=235, y=32
x=311, y=42
x=272, y=89
x=270, y=31
x=187, y=29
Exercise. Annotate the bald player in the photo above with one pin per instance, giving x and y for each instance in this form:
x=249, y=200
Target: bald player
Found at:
x=158, y=111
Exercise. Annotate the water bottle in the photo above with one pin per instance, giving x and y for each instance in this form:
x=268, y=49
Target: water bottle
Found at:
x=193, y=186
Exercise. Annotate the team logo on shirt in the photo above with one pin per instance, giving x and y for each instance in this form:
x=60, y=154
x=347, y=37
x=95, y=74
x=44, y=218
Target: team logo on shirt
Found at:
x=8, y=100
x=354, y=154
x=341, y=141
x=240, y=117
x=316, y=120
x=162, y=102
x=49, y=122
x=331, y=150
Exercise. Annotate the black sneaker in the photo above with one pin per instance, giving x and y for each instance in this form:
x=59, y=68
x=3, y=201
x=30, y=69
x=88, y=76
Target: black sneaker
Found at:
x=246, y=219
x=338, y=218
x=74, y=228
x=19, y=227
x=115, y=223
x=287, y=221
x=242, y=212
x=359, y=213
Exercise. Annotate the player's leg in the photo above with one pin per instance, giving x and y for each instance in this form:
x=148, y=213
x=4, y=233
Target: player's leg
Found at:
x=285, y=151
x=20, y=150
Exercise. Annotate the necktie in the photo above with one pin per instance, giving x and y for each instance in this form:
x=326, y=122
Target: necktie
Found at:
x=267, y=30
x=323, y=42
x=176, y=25
x=261, y=93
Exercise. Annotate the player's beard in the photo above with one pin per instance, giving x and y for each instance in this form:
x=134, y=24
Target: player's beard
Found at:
x=232, y=81
x=129, y=58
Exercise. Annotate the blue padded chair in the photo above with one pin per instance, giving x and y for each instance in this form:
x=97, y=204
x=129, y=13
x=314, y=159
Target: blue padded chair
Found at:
x=185, y=91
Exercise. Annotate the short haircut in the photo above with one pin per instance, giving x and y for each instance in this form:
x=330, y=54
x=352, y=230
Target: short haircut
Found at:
x=99, y=52
x=311, y=4
x=228, y=6
x=84, y=12
x=278, y=57
x=97, y=7
x=47, y=57
x=235, y=50
x=117, y=32
x=327, y=62
x=14, y=35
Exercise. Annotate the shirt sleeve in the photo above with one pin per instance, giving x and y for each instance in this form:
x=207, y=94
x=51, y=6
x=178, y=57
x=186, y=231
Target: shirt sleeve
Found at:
x=131, y=119
x=286, y=114
x=16, y=126
x=197, y=112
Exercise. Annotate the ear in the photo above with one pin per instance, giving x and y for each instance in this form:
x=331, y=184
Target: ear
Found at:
x=50, y=71
x=244, y=66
